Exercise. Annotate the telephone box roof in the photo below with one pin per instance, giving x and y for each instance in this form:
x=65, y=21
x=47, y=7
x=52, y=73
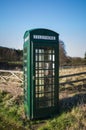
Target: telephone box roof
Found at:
x=40, y=31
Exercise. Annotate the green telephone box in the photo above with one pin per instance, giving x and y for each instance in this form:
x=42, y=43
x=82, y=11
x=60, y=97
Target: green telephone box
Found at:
x=41, y=73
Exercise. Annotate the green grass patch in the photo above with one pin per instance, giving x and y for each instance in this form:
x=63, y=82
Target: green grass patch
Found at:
x=74, y=120
x=12, y=115
x=62, y=122
x=11, y=112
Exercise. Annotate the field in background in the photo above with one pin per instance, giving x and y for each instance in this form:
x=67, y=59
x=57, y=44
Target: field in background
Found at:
x=71, y=70
x=72, y=103
x=70, y=86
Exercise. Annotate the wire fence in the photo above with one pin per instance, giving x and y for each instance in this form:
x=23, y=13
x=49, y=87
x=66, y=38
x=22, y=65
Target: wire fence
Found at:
x=17, y=76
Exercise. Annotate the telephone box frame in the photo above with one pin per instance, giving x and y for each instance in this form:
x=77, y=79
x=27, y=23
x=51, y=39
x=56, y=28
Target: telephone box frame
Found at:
x=41, y=43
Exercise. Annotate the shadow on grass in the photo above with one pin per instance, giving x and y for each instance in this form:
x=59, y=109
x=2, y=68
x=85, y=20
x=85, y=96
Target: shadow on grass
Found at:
x=66, y=104
x=73, y=88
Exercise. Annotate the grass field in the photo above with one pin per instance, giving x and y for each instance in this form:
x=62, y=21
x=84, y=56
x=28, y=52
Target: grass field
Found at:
x=72, y=106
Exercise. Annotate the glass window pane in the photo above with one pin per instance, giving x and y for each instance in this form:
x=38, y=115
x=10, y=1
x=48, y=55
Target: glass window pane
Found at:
x=44, y=73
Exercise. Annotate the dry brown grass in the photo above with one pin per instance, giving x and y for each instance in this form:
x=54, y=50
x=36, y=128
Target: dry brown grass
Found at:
x=72, y=101
x=73, y=70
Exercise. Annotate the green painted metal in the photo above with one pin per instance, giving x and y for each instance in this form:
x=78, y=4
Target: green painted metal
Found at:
x=41, y=47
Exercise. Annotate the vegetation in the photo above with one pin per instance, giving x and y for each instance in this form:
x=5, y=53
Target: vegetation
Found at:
x=74, y=120
x=11, y=112
x=72, y=114
x=85, y=56
x=72, y=106
x=7, y=54
x=65, y=60
x=62, y=54
x=10, y=58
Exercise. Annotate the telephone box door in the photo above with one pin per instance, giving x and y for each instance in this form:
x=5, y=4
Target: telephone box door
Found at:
x=44, y=79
